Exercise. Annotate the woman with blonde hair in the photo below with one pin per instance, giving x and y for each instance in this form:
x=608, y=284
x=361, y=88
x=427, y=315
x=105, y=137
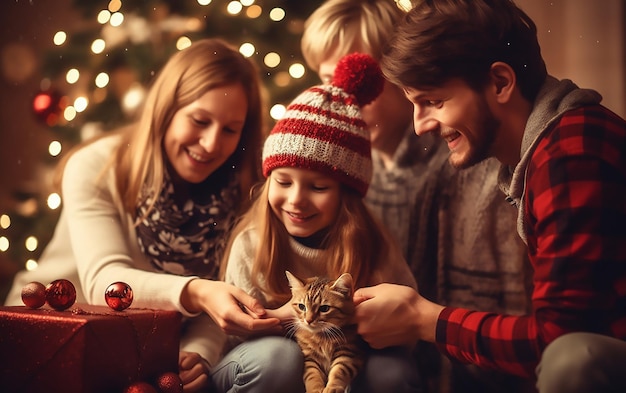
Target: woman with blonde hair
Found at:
x=152, y=204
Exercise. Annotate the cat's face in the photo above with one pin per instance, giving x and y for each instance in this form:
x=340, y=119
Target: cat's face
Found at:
x=322, y=305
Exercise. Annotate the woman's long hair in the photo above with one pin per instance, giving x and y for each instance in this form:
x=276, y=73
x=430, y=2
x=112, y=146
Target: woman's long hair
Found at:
x=139, y=160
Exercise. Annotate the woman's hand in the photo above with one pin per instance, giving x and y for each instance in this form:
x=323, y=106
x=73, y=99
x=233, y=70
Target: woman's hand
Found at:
x=233, y=310
x=193, y=372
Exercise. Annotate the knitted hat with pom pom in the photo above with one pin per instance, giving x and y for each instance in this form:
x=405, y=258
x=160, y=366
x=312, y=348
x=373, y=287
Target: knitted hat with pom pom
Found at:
x=323, y=130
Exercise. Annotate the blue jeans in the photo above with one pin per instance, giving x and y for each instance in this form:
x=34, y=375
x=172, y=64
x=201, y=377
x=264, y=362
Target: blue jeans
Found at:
x=275, y=364
x=583, y=363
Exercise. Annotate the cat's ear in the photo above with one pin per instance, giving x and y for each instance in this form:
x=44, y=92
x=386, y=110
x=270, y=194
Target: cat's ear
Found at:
x=294, y=283
x=343, y=285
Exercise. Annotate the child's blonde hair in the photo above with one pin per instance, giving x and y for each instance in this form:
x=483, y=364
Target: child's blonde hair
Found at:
x=344, y=26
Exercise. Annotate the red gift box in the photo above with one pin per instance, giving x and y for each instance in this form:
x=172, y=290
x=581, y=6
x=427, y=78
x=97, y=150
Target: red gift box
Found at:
x=86, y=348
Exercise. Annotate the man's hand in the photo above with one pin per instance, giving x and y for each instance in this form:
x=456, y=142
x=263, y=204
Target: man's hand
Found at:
x=390, y=315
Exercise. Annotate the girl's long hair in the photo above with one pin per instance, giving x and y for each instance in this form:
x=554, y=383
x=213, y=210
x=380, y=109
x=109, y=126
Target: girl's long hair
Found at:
x=356, y=243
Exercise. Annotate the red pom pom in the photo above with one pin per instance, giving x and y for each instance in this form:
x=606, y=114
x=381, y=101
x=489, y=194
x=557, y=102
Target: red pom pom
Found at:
x=360, y=75
x=170, y=383
x=34, y=294
x=60, y=294
x=140, y=387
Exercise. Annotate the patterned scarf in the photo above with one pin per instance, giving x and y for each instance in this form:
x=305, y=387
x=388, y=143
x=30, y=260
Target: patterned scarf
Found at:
x=187, y=235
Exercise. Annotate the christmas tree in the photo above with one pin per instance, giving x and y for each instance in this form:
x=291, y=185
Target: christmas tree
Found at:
x=97, y=70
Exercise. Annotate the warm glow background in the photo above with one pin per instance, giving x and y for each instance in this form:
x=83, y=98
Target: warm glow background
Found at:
x=582, y=40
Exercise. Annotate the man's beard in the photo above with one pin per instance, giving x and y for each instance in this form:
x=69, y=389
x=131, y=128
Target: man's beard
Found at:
x=480, y=148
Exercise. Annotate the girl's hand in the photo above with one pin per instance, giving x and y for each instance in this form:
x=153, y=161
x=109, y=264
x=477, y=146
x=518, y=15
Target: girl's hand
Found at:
x=284, y=313
x=193, y=371
x=236, y=312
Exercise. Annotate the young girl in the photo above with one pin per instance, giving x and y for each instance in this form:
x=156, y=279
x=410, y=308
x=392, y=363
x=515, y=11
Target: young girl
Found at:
x=309, y=218
x=160, y=196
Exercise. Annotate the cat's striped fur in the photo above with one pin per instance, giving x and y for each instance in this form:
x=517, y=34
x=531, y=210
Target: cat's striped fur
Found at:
x=323, y=327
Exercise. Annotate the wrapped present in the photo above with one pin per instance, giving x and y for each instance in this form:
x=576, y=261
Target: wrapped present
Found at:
x=85, y=348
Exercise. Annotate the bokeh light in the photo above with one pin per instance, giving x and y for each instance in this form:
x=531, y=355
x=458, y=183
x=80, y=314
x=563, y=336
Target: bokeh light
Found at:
x=54, y=148
x=277, y=111
x=59, y=38
x=54, y=201
x=102, y=79
x=247, y=49
x=272, y=59
x=104, y=16
x=98, y=46
x=72, y=76
x=297, y=70
x=234, y=7
x=277, y=14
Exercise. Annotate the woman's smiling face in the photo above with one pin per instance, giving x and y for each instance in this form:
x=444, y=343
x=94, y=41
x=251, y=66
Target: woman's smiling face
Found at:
x=204, y=134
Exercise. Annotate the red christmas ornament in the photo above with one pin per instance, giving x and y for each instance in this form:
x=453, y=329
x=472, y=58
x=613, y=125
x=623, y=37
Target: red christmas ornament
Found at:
x=60, y=294
x=170, y=383
x=34, y=294
x=119, y=296
x=48, y=105
x=140, y=387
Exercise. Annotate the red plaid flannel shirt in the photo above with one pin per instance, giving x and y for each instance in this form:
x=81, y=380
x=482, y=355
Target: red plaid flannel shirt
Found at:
x=576, y=228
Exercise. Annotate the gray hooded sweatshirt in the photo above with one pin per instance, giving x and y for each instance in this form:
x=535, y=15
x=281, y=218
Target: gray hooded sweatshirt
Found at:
x=554, y=99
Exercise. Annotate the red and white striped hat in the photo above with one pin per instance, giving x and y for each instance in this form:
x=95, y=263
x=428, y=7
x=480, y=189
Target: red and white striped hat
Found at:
x=323, y=130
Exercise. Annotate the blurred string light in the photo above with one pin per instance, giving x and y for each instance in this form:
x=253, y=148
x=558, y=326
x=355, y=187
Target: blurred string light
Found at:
x=59, y=38
x=254, y=11
x=72, y=76
x=4, y=243
x=98, y=45
x=234, y=7
x=115, y=5
x=116, y=19
x=69, y=113
x=277, y=14
x=81, y=103
x=31, y=264
x=183, y=42
x=133, y=97
x=55, y=148
x=5, y=221
x=277, y=111
x=247, y=49
x=31, y=243
x=103, y=17
x=296, y=70
x=272, y=59
x=54, y=201
x=102, y=80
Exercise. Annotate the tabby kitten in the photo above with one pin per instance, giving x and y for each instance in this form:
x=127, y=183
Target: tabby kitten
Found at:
x=322, y=326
